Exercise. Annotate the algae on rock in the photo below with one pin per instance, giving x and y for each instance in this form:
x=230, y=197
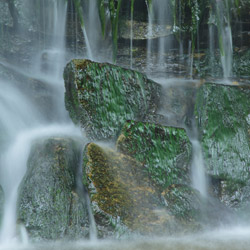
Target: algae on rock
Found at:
x=222, y=115
x=165, y=151
x=48, y=205
x=119, y=186
x=101, y=96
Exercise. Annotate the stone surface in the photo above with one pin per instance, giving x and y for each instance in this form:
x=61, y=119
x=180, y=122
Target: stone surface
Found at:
x=222, y=116
x=165, y=151
x=120, y=187
x=101, y=97
x=49, y=206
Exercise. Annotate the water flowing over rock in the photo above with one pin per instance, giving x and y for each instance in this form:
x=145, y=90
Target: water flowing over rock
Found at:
x=101, y=97
x=49, y=206
x=121, y=188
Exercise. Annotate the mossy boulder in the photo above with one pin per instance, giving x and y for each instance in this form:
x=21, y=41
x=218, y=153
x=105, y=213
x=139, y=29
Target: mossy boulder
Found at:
x=241, y=64
x=101, y=97
x=223, y=119
x=49, y=206
x=120, y=187
x=185, y=204
x=164, y=151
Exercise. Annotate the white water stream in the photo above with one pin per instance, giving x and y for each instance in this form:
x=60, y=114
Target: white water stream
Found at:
x=22, y=121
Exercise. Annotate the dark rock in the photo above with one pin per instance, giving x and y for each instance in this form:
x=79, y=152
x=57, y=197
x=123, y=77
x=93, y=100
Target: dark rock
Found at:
x=48, y=206
x=164, y=151
x=101, y=97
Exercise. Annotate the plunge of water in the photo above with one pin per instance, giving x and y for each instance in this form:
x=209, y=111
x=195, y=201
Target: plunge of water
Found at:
x=199, y=180
x=159, y=18
x=97, y=41
x=21, y=119
x=225, y=36
x=49, y=61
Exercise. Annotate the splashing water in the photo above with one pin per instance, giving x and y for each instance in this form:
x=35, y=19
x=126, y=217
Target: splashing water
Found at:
x=198, y=169
x=225, y=37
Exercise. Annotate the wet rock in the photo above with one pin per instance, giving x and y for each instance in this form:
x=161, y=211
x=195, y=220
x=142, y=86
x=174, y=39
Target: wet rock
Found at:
x=49, y=206
x=120, y=188
x=177, y=101
x=164, y=151
x=222, y=115
x=140, y=30
x=101, y=96
x=185, y=204
x=241, y=64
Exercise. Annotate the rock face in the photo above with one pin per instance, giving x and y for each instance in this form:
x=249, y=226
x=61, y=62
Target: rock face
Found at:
x=101, y=97
x=223, y=119
x=165, y=151
x=48, y=206
x=120, y=187
x=123, y=193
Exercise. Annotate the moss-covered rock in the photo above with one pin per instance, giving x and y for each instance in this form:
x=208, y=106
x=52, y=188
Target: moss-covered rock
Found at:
x=164, y=151
x=185, y=204
x=223, y=119
x=120, y=187
x=101, y=96
x=241, y=65
x=48, y=205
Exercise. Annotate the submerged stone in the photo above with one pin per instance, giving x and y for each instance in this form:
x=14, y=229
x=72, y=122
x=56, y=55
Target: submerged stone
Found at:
x=164, y=151
x=120, y=187
x=101, y=96
x=48, y=205
x=222, y=116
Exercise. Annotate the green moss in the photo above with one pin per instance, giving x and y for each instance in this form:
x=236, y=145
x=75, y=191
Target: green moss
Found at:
x=222, y=114
x=164, y=151
x=102, y=96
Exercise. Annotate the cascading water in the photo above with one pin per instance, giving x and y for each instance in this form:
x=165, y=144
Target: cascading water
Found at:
x=199, y=180
x=97, y=43
x=224, y=36
x=22, y=121
x=159, y=18
x=131, y=33
x=50, y=60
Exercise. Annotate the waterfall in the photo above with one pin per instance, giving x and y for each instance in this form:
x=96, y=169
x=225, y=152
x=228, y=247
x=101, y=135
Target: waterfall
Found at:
x=22, y=121
x=49, y=61
x=198, y=169
x=97, y=43
x=159, y=18
x=224, y=36
x=131, y=33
